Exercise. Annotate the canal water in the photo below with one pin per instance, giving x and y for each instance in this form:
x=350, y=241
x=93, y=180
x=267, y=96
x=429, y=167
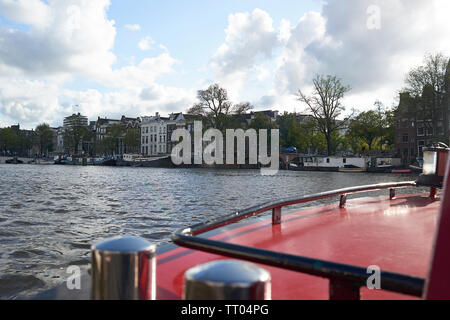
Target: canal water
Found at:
x=50, y=215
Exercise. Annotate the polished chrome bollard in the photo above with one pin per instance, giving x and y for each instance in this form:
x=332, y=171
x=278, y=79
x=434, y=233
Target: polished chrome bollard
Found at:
x=227, y=280
x=124, y=268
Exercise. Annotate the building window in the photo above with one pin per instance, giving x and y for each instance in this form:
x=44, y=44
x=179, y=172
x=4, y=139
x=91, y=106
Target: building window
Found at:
x=420, y=131
x=440, y=128
x=420, y=144
x=405, y=138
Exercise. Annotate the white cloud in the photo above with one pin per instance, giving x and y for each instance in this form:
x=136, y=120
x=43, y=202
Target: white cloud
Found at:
x=133, y=27
x=71, y=37
x=146, y=43
x=31, y=12
x=285, y=31
x=73, y=40
x=249, y=38
x=373, y=62
x=336, y=41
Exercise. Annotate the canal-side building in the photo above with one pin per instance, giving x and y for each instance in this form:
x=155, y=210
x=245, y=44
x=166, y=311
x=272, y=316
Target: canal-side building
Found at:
x=130, y=141
x=126, y=127
x=102, y=127
x=154, y=135
x=422, y=121
x=75, y=119
x=175, y=121
x=59, y=147
x=269, y=113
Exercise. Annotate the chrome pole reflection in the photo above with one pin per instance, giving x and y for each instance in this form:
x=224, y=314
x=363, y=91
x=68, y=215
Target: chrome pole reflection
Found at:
x=227, y=280
x=124, y=268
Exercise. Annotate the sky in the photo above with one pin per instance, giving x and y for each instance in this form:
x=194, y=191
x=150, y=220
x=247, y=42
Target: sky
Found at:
x=110, y=58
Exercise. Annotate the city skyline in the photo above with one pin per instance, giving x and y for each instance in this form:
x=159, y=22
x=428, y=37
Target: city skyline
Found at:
x=111, y=58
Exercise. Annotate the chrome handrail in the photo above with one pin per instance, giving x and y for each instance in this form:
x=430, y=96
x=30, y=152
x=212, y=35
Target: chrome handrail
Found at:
x=345, y=279
x=274, y=205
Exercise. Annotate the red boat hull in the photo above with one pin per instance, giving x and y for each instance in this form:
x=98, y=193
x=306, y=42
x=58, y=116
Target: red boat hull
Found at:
x=395, y=235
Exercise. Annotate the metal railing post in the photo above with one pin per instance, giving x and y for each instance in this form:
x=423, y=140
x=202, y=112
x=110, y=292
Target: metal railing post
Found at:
x=227, y=280
x=392, y=194
x=124, y=268
x=342, y=201
x=276, y=215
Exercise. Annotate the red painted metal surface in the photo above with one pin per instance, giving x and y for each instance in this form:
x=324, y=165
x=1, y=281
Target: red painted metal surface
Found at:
x=396, y=235
x=401, y=171
x=438, y=283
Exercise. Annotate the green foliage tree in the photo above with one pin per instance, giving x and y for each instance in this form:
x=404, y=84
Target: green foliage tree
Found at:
x=371, y=129
x=115, y=132
x=261, y=121
x=14, y=141
x=325, y=105
x=132, y=140
x=312, y=140
x=74, y=135
x=43, y=138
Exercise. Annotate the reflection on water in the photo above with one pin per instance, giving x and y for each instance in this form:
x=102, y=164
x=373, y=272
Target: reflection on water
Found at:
x=50, y=215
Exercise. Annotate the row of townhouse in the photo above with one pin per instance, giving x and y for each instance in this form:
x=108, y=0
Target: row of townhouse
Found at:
x=153, y=132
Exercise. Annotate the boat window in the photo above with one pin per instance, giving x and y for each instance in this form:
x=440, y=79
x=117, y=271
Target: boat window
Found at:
x=328, y=160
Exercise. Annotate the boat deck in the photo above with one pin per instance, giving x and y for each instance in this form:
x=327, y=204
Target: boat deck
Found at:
x=396, y=235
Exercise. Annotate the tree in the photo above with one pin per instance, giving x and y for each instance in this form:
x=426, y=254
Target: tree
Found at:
x=366, y=127
x=114, y=133
x=261, y=121
x=371, y=129
x=213, y=105
x=44, y=138
x=74, y=135
x=325, y=105
x=132, y=140
x=242, y=108
x=290, y=132
x=432, y=73
x=15, y=141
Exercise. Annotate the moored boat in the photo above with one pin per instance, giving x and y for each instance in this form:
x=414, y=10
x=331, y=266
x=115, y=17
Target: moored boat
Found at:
x=69, y=160
x=14, y=160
